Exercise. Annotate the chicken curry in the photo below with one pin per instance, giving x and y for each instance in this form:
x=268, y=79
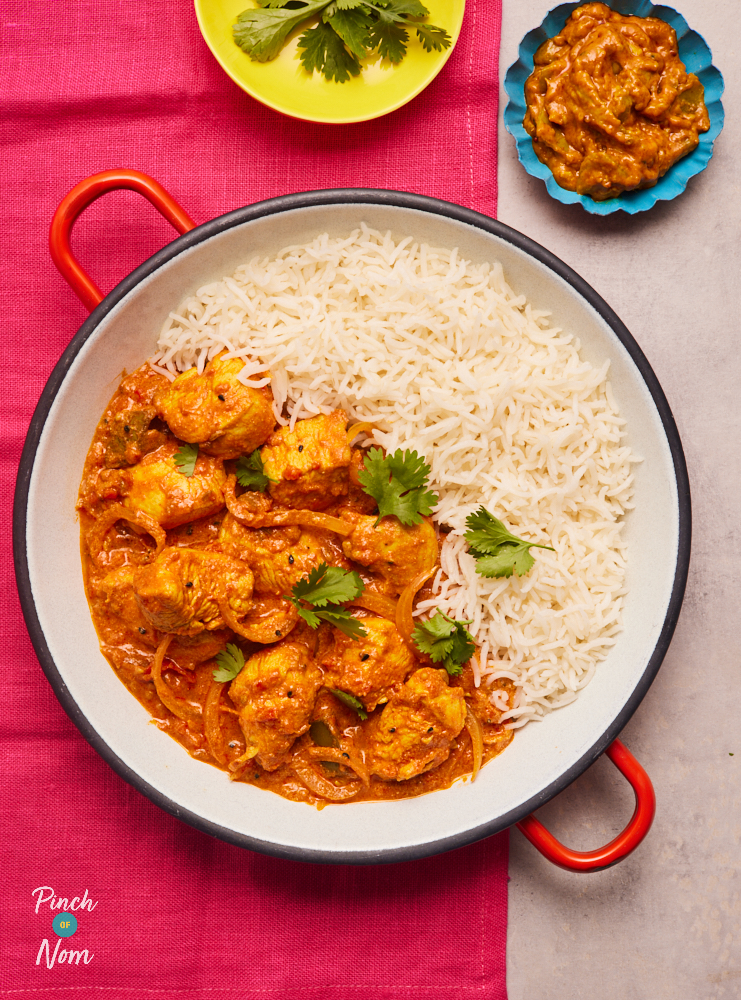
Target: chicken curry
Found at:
x=610, y=105
x=190, y=575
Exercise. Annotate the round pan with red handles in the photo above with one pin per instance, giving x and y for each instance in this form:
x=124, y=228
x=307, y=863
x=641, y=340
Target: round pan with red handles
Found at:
x=545, y=757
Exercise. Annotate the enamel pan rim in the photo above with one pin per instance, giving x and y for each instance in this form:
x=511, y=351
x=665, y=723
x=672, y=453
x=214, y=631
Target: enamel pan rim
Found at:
x=274, y=206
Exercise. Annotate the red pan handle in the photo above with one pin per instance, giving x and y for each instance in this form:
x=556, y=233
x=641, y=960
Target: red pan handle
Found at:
x=623, y=844
x=84, y=194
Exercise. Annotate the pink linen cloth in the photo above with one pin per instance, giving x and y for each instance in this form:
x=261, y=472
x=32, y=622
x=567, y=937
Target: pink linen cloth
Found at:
x=87, y=86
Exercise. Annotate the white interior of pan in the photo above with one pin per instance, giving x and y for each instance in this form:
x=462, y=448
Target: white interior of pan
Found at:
x=540, y=752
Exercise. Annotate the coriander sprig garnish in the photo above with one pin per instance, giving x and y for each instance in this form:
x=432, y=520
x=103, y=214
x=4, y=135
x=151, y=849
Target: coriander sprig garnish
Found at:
x=186, y=457
x=398, y=485
x=325, y=588
x=251, y=473
x=445, y=641
x=496, y=550
x=348, y=31
x=231, y=661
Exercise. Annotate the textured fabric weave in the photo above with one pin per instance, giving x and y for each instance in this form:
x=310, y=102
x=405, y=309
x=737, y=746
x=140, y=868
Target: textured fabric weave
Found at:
x=90, y=85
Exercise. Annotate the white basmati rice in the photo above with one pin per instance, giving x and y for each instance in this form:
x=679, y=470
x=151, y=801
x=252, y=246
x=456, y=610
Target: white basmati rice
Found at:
x=445, y=358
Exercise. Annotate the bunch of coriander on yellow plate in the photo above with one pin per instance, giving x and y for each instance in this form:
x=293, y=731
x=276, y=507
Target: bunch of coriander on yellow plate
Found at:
x=400, y=57
x=346, y=32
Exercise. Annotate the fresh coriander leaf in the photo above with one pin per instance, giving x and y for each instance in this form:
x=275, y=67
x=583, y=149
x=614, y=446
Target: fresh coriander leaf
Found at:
x=250, y=472
x=343, y=620
x=397, y=484
x=389, y=38
x=351, y=701
x=433, y=37
x=312, y=48
x=523, y=561
x=262, y=33
x=334, y=615
x=326, y=587
x=306, y=613
x=327, y=584
x=352, y=26
x=409, y=468
x=323, y=50
x=408, y=508
x=509, y=559
x=384, y=10
x=406, y=8
x=436, y=628
x=185, y=458
x=231, y=661
x=463, y=646
x=497, y=551
x=445, y=640
x=348, y=31
x=311, y=619
x=486, y=533
x=453, y=668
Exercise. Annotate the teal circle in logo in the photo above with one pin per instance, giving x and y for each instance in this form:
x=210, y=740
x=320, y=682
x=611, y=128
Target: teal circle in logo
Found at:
x=65, y=924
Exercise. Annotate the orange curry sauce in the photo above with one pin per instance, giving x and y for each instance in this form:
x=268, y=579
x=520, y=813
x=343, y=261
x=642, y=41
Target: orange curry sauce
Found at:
x=176, y=566
x=610, y=105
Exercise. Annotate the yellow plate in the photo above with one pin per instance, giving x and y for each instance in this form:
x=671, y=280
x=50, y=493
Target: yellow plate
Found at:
x=284, y=85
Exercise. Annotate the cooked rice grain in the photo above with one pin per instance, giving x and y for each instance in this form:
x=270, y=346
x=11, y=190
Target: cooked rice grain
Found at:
x=446, y=359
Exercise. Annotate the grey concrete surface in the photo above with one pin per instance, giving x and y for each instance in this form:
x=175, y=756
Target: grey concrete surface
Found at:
x=666, y=923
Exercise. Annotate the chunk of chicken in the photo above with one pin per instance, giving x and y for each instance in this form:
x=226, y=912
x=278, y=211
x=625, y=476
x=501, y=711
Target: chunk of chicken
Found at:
x=142, y=385
x=124, y=433
x=180, y=590
x=279, y=557
x=187, y=651
x=126, y=628
x=157, y=487
x=277, y=573
x=275, y=693
x=391, y=550
x=117, y=592
x=227, y=419
x=372, y=667
x=127, y=437
x=415, y=731
x=309, y=465
x=122, y=625
x=269, y=619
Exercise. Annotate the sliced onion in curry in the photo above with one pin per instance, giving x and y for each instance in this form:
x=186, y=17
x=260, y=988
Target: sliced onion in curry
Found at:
x=476, y=732
x=212, y=722
x=230, y=618
x=344, y=754
x=322, y=786
x=178, y=706
x=404, y=619
x=356, y=429
x=117, y=512
x=282, y=518
x=379, y=604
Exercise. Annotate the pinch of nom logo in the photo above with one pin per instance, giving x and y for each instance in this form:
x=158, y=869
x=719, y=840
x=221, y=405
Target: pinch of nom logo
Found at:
x=64, y=926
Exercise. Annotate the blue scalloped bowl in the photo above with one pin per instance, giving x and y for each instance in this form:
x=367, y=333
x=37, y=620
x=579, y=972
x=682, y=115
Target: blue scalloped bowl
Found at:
x=694, y=53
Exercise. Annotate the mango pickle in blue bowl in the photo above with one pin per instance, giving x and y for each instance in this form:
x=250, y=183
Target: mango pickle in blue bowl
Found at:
x=613, y=114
